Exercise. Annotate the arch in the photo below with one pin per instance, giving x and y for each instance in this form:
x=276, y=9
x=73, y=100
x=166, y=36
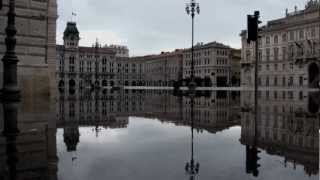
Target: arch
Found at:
x=72, y=91
x=80, y=84
x=313, y=103
x=314, y=73
x=72, y=83
x=97, y=83
x=61, y=84
x=104, y=83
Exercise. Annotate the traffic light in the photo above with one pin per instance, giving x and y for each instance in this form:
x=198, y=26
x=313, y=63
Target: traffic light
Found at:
x=253, y=24
x=256, y=165
x=252, y=158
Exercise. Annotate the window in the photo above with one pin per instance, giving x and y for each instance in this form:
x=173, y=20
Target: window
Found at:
x=260, y=55
x=268, y=40
x=291, y=35
x=275, y=81
x=313, y=32
x=284, y=37
x=301, y=34
x=301, y=95
x=268, y=54
x=248, y=55
x=276, y=39
x=284, y=80
x=301, y=81
x=267, y=81
x=291, y=81
x=284, y=53
x=276, y=53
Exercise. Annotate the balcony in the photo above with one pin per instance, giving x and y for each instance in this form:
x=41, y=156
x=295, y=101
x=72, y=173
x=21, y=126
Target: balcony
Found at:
x=307, y=57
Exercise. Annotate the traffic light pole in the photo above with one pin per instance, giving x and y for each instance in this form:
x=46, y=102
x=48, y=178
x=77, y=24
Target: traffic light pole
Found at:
x=256, y=88
x=252, y=151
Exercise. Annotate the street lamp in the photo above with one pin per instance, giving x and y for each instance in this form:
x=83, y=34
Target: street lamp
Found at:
x=192, y=168
x=10, y=89
x=192, y=9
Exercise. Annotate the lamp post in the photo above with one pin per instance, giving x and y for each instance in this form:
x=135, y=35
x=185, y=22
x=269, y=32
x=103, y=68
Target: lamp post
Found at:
x=192, y=9
x=192, y=168
x=10, y=89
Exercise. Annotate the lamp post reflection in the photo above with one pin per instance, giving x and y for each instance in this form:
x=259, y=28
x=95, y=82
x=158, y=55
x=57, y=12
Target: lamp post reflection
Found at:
x=192, y=168
x=11, y=133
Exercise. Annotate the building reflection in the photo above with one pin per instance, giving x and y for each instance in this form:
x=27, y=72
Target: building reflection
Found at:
x=27, y=142
x=105, y=109
x=287, y=125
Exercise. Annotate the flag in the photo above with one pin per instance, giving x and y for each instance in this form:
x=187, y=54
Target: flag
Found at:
x=297, y=44
x=74, y=14
x=309, y=42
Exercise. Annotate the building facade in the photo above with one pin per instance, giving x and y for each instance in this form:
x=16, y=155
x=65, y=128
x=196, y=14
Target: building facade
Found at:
x=111, y=66
x=211, y=61
x=36, y=45
x=235, y=67
x=289, y=51
x=163, y=69
x=86, y=67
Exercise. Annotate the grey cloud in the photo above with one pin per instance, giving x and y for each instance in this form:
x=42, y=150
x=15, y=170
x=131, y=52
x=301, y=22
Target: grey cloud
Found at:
x=155, y=26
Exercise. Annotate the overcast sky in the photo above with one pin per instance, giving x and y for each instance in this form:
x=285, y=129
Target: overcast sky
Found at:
x=149, y=26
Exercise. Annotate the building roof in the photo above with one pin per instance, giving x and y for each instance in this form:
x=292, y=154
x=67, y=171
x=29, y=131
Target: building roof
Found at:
x=213, y=44
x=71, y=31
x=97, y=50
x=292, y=18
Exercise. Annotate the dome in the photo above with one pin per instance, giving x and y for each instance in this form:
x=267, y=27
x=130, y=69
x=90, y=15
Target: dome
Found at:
x=71, y=31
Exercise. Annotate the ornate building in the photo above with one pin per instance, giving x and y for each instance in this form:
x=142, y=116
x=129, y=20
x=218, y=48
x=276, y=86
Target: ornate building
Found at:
x=289, y=51
x=85, y=67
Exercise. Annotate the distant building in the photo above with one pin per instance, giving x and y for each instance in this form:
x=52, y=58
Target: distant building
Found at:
x=85, y=67
x=164, y=69
x=110, y=66
x=121, y=51
x=235, y=67
x=211, y=61
x=289, y=51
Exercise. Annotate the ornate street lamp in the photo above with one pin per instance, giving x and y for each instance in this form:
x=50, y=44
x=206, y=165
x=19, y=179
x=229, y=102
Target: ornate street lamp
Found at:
x=10, y=89
x=192, y=168
x=192, y=9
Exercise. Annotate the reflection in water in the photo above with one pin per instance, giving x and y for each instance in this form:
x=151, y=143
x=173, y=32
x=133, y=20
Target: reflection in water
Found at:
x=287, y=125
x=191, y=167
x=284, y=125
x=27, y=144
